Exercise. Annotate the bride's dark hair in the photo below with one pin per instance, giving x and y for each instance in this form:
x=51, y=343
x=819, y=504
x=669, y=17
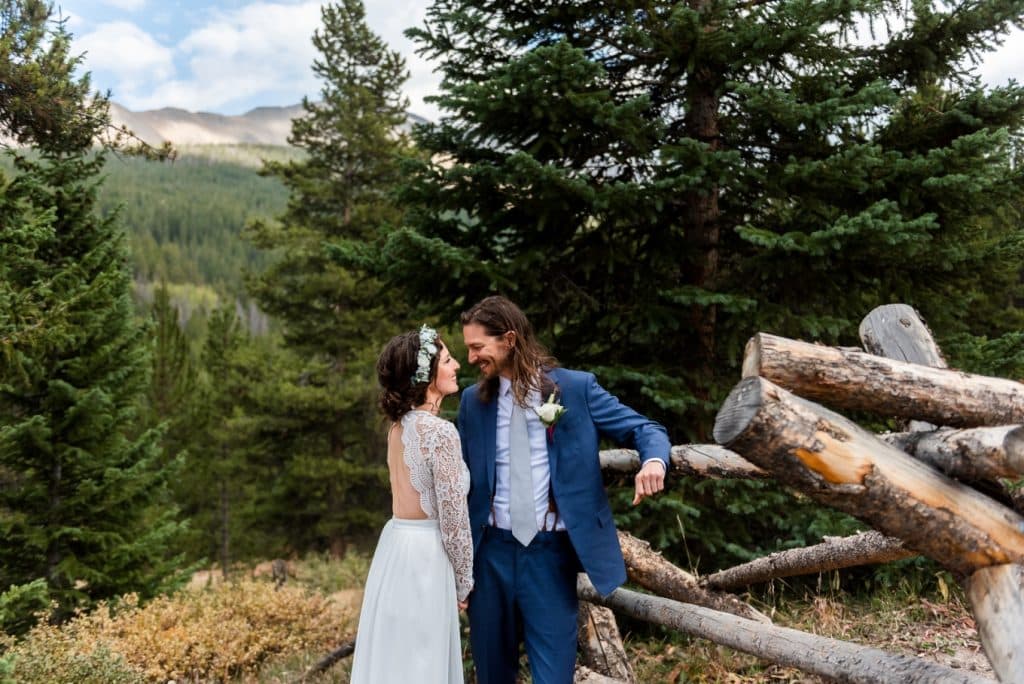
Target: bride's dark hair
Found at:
x=396, y=367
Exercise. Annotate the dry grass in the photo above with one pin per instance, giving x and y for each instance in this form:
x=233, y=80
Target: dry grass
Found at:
x=245, y=632
x=227, y=632
x=937, y=628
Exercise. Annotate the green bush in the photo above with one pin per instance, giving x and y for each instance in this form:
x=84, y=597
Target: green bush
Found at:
x=19, y=606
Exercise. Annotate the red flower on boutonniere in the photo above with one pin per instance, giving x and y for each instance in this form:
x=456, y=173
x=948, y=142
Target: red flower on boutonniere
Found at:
x=549, y=413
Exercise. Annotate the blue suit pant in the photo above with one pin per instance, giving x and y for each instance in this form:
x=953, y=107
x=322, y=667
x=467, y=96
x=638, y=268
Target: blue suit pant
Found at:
x=524, y=594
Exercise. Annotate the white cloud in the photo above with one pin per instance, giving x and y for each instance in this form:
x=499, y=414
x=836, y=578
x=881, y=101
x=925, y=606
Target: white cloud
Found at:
x=260, y=48
x=1005, y=62
x=131, y=56
x=263, y=53
x=232, y=59
x=127, y=5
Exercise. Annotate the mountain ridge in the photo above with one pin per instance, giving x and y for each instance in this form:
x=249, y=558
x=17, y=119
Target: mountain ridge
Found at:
x=264, y=125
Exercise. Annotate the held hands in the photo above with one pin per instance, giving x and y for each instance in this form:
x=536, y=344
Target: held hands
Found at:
x=650, y=480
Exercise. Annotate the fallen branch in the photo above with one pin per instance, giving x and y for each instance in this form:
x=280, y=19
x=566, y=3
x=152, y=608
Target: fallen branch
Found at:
x=325, y=663
x=840, y=464
x=651, y=571
x=848, y=379
x=985, y=453
x=700, y=460
x=832, y=554
x=839, y=661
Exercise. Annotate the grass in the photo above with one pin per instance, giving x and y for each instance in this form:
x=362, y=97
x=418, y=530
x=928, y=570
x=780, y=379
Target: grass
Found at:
x=319, y=607
x=936, y=627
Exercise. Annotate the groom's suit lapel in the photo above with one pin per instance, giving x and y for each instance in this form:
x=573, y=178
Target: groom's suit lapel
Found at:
x=558, y=437
x=490, y=430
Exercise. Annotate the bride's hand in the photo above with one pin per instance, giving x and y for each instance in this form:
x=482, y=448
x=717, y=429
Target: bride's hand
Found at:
x=463, y=605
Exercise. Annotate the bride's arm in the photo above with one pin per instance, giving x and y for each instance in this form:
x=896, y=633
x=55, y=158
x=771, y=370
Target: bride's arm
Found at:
x=452, y=510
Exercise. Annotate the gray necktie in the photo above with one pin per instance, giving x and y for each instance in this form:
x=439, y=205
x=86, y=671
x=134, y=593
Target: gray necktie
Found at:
x=520, y=505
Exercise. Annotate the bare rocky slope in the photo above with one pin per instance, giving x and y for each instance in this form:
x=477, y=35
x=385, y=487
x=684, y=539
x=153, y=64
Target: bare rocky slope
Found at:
x=260, y=126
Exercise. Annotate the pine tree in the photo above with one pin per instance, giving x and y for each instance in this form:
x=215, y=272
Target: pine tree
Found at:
x=214, y=474
x=655, y=181
x=172, y=381
x=335, y=317
x=82, y=501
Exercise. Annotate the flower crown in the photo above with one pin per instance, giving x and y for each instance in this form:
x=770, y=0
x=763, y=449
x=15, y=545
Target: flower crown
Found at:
x=428, y=348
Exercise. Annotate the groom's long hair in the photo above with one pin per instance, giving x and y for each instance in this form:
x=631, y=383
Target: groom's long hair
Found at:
x=529, y=359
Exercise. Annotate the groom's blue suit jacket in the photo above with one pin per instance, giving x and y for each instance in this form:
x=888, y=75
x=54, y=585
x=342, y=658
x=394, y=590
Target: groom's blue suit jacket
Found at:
x=576, y=481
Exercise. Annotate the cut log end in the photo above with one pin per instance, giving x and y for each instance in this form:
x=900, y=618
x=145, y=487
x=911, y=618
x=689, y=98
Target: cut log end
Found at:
x=738, y=410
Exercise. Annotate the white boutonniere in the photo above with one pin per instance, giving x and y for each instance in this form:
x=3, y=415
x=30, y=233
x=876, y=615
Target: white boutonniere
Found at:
x=549, y=412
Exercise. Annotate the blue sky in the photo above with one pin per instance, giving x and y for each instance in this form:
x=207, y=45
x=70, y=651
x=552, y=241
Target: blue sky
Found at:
x=229, y=56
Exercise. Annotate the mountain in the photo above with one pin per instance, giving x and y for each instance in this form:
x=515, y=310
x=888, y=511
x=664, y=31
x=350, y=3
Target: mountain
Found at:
x=260, y=126
x=263, y=125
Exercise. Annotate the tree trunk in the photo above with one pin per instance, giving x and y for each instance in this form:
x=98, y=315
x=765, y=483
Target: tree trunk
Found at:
x=225, y=559
x=838, y=661
x=897, y=331
x=996, y=594
x=985, y=453
x=840, y=464
x=54, y=552
x=701, y=211
x=651, y=571
x=699, y=460
x=864, y=382
x=832, y=554
x=600, y=643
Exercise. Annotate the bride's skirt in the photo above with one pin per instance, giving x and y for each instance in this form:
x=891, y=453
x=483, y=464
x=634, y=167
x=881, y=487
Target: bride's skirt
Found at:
x=409, y=623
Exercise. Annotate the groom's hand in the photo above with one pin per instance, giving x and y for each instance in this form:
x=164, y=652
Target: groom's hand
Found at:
x=650, y=480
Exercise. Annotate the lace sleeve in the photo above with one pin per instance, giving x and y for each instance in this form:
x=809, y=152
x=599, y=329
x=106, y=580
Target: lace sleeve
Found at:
x=451, y=485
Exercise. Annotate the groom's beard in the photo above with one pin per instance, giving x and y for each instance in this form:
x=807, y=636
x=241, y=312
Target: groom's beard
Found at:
x=491, y=369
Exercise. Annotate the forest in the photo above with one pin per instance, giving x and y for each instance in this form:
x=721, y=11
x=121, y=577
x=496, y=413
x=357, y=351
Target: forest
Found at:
x=187, y=342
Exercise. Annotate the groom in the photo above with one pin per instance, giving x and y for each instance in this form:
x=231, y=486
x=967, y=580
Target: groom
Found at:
x=537, y=504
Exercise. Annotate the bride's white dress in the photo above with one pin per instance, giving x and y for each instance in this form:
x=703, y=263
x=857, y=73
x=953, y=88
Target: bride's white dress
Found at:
x=409, y=623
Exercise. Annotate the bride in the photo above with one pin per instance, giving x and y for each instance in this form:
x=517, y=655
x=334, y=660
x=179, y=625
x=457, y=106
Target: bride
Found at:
x=422, y=570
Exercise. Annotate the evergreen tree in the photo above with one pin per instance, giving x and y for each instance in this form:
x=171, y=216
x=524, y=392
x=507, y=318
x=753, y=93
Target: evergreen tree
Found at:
x=172, y=381
x=213, y=473
x=40, y=100
x=335, y=318
x=82, y=502
x=656, y=181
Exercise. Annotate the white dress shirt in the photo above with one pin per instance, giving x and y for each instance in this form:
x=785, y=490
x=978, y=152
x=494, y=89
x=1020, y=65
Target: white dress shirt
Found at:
x=539, y=465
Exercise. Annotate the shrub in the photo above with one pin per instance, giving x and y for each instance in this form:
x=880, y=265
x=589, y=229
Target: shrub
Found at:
x=19, y=606
x=69, y=654
x=216, y=634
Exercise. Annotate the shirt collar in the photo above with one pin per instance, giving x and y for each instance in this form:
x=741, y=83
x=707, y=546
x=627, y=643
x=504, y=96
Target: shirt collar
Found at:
x=504, y=386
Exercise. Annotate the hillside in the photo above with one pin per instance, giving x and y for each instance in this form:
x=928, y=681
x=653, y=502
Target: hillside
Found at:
x=184, y=219
x=260, y=126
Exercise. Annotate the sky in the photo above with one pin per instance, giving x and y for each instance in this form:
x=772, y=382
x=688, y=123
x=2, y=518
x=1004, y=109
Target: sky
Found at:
x=230, y=56
x=224, y=56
